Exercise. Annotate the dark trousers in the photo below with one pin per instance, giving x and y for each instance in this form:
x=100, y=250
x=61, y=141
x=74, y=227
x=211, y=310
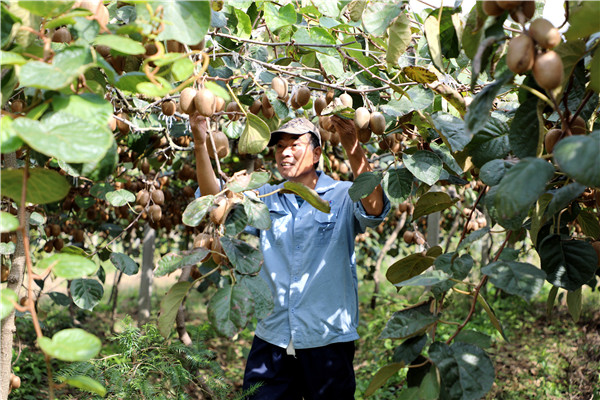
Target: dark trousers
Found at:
x=317, y=373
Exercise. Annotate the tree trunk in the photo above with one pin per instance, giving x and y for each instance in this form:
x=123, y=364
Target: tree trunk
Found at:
x=15, y=281
x=433, y=229
x=144, y=301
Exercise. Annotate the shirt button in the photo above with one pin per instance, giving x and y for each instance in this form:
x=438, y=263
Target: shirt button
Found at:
x=292, y=310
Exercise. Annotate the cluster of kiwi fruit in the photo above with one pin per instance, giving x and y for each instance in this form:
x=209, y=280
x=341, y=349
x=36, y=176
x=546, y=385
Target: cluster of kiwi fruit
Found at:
x=413, y=237
x=477, y=221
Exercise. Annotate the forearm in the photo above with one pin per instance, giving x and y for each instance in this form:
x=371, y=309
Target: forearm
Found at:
x=205, y=175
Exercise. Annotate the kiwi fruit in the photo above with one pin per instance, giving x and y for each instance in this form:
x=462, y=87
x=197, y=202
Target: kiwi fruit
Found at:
x=122, y=126
x=377, y=123
x=508, y=5
x=280, y=86
x=58, y=244
x=145, y=166
x=188, y=191
x=168, y=107
x=544, y=33
x=319, y=104
x=217, y=250
x=578, y=126
x=204, y=241
x=527, y=10
x=325, y=134
x=548, y=70
x=303, y=96
x=204, y=101
x=5, y=273
x=325, y=122
x=104, y=51
x=233, y=108
x=520, y=56
x=142, y=198
x=294, y=102
x=268, y=112
x=551, y=138
x=255, y=107
x=78, y=236
x=62, y=35
x=112, y=123
x=418, y=238
x=155, y=212
x=173, y=46
x=17, y=106
x=219, y=104
x=492, y=8
x=218, y=212
x=199, y=46
x=102, y=15
x=49, y=246
x=346, y=100
x=362, y=117
x=55, y=229
x=221, y=143
x=329, y=96
x=364, y=135
x=158, y=197
x=334, y=139
x=186, y=100
x=265, y=102
x=408, y=237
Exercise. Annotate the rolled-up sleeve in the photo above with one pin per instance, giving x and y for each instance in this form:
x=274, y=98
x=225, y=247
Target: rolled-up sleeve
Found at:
x=365, y=220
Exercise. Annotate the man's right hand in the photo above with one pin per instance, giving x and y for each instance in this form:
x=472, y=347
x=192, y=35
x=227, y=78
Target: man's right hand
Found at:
x=199, y=128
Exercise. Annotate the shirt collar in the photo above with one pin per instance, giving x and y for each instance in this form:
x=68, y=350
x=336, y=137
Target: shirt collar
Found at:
x=324, y=183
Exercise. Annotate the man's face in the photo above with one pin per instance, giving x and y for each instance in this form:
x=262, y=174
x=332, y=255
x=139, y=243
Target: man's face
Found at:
x=295, y=156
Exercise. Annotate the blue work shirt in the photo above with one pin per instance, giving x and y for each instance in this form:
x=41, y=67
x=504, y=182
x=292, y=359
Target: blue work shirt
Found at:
x=310, y=266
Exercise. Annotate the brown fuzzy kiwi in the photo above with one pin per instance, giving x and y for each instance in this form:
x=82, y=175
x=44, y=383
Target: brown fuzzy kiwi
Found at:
x=219, y=104
x=217, y=250
x=386, y=143
x=334, y=139
x=144, y=166
x=186, y=100
x=294, y=102
x=58, y=244
x=62, y=35
x=362, y=117
x=204, y=101
x=364, y=135
x=17, y=106
x=142, y=198
x=112, y=123
x=218, y=212
x=155, y=212
x=104, y=51
x=168, y=107
x=346, y=99
x=325, y=134
x=188, y=191
x=544, y=33
x=325, y=122
x=280, y=86
x=527, y=9
x=122, y=126
x=91, y=5
x=552, y=137
x=578, y=126
x=508, y=5
x=204, y=241
x=268, y=112
x=492, y=8
x=233, y=108
x=55, y=229
x=329, y=96
x=5, y=273
x=173, y=46
x=319, y=104
x=199, y=46
x=408, y=237
x=78, y=236
x=265, y=102
x=419, y=239
x=158, y=197
x=303, y=96
x=377, y=123
x=221, y=143
x=548, y=70
x=255, y=107
x=521, y=54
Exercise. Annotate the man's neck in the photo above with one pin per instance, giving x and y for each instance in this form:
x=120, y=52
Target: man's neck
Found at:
x=309, y=180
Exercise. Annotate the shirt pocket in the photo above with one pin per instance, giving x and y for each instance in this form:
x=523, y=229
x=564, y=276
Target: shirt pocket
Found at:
x=279, y=224
x=325, y=224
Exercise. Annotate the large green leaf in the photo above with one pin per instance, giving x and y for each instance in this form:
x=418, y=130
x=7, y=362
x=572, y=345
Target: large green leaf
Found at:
x=431, y=202
x=230, y=309
x=86, y=293
x=521, y=279
x=185, y=21
x=316, y=35
x=415, y=98
x=466, y=370
x=432, y=34
x=85, y=383
x=7, y=300
x=397, y=183
x=364, y=184
x=452, y=130
x=196, y=210
x=278, y=17
x=578, y=157
x=426, y=166
x=492, y=172
x=90, y=107
x=590, y=226
x=10, y=58
x=255, y=136
x=171, y=261
x=309, y=195
x=243, y=183
x=71, y=345
x=46, y=8
x=457, y=267
x=399, y=37
x=562, y=197
x=478, y=112
x=408, y=267
x=65, y=136
x=120, y=197
x=378, y=15
x=521, y=186
x=261, y=294
x=169, y=306
x=122, y=44
x=524, y=132
x=124, y=263
x=491, y=315
x=428, y=278
x=595, y=72
x=245, y=258
x=43, y=185
x=66, y=65
x=583, y=20
x=8, y=222
x=409, y=350
x=489, y=143
x=574, y=304
x=382, y=376
x=9, y=138
x=568, y=263
x=409, y=322
x=68, y=266
x=473, y=30
x=257, y=213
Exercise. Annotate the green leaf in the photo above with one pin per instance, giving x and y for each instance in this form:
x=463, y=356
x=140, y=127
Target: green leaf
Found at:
x=428, y=278
x=590, y=226
x=92, y=108
x=574, y=304
x=378, y=15
x=60, y=299
x=491, y=315
x=426, y=166
x=473, y=237
x=230, y=309
x=245, y=258
x=65, y=136
x=68, y=266
x=356, y=9
x=524, y=130
x=382, y=376
x=255, y=136
x=70, y=18
x=46, y=8
x=568, y=263
x=257, y=213
x=122, y=44
x=562, y=197
x=583, y=20
x=278, y=17
x=457, y=267
x=171, y=261
x=521, y=186
x=7, y=248
x=364, y=184
x=466, y=370
x=71, y=345
x=9, y=139
x=43, y=185
x=8, y=222
x=419, y=74
x=473, y=30
x=7, y=300
x=120, y=197
x=409, y=350
x=490, y=143
x=244, y=25
x=99, y=190
x=492, y=172
x=85, y=383
x=124, y=263
x=409, y=322
x=521, y=279
x=185, y=21
x=66, y=65
x=236, y=220
x=254, y=181
x=196, y=210
x=169, y=306
x=551, y=299
x=452, y=130
x=399, y=37
x=86, y=293
x=478, y=112
x=309, y=195
x=261, y=294
x=432, y=34
x=397, y=183
x=408, y=267
x=10, y=58
x=578, y=157
x=415, y=98
x=595, y=72
x=182, y=69
x=476, y=338
x=431, y=202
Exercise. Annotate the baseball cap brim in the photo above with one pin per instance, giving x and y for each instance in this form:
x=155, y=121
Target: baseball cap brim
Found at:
x=297, y=126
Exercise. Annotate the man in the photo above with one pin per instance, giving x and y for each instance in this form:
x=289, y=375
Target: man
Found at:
x=305, y=347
